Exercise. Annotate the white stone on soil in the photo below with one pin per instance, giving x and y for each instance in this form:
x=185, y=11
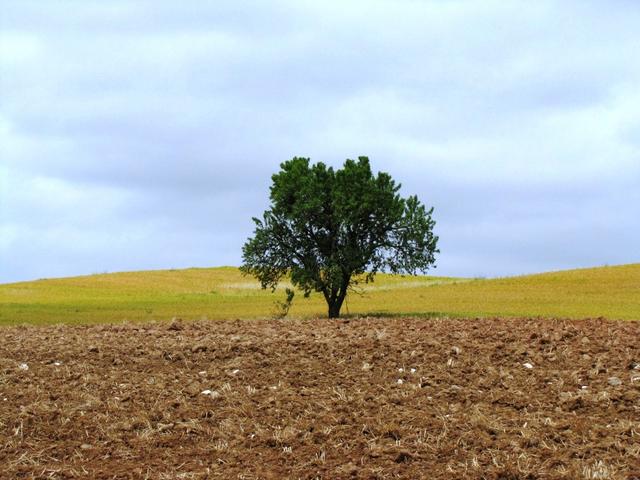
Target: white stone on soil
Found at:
x=614, y=381
x=210, y=393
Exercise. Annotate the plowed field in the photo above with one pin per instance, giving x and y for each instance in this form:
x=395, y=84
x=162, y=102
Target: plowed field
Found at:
x=360, y=398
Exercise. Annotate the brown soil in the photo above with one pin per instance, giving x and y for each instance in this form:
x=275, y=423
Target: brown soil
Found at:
x=360, y=398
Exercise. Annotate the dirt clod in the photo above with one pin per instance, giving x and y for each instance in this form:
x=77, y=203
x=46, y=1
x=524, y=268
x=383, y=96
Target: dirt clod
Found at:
x=403, y=457
x=176, y=324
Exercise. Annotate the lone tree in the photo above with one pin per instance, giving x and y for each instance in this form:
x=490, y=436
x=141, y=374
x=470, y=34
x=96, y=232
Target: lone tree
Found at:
x=331, y=229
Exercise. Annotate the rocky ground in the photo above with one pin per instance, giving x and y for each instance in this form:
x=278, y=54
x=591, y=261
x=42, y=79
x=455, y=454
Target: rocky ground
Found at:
x=359, y=398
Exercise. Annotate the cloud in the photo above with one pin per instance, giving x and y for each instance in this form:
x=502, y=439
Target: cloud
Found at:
x=143, y=134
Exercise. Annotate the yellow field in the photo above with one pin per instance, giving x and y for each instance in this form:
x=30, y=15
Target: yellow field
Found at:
x=612, y=292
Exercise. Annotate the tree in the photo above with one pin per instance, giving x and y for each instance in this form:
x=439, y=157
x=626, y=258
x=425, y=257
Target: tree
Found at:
x=329, y=230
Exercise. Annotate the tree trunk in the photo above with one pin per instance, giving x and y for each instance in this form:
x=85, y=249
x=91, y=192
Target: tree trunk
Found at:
x=335, y=303
x=334, y=309
x=336, y=297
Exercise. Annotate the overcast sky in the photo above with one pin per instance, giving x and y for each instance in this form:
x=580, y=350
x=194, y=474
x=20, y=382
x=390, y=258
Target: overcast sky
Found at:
x=142, y=134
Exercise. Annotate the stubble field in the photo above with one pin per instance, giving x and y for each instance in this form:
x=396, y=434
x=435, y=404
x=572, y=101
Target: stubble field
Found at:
x=357, y=398
x=222, y=293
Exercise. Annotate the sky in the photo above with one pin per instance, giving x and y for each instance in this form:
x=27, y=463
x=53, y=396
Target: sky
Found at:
x=142, y=134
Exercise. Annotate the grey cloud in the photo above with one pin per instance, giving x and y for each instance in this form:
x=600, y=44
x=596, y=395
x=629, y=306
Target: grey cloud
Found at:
x=123, y=17
x=145, y=131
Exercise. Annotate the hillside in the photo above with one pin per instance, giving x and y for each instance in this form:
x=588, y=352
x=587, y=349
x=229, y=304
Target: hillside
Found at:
x=217, y=293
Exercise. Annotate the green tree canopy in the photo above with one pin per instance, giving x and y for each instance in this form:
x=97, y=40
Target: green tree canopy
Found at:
x=329, y=229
